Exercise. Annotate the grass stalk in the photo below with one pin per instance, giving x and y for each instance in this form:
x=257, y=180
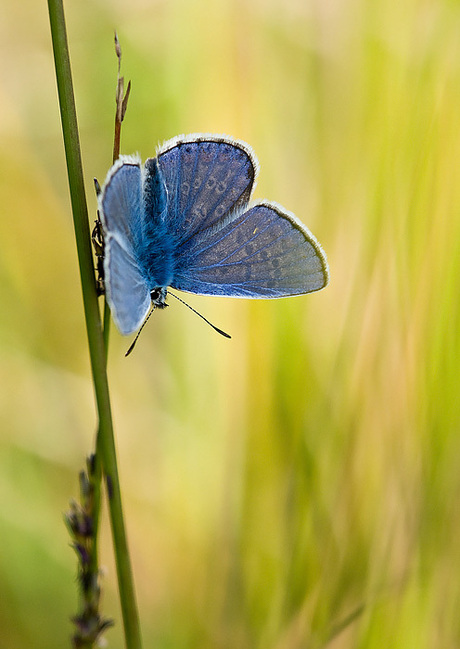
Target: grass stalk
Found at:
x=105, y=444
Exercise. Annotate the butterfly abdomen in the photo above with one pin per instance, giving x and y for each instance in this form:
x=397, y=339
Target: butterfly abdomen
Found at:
x=155, y=258
x=155, y=247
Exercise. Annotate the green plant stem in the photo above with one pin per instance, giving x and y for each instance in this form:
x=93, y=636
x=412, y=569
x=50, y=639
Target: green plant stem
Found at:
x=96, y=478
x=106, y=443
x=106, y=326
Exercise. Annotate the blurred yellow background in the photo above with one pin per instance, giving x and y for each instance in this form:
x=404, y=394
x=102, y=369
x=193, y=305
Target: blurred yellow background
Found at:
x=299, y=485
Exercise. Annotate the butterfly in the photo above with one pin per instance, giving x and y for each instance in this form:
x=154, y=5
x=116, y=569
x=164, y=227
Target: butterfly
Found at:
x=184, y=220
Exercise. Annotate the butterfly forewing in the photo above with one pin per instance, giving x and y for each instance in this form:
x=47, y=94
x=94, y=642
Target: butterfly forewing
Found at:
x=121, y=201
x=205, y=179
x=261, y=252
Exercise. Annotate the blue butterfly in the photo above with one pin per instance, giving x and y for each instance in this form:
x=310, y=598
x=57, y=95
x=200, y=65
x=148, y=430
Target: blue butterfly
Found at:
x=183, y=220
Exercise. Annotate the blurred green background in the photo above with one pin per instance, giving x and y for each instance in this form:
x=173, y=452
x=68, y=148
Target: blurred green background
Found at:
x=299, y=485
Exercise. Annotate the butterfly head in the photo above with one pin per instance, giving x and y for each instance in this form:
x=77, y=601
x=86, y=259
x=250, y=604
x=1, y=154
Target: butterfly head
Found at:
x=158, y=297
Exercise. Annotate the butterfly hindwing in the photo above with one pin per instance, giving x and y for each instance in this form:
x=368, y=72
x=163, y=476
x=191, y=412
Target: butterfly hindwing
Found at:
x=261, y=252
x=206, y=178
x=127, y=293
x=121, y=211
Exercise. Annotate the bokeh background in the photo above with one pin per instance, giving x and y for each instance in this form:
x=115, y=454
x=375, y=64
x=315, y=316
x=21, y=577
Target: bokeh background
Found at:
x=299, y=485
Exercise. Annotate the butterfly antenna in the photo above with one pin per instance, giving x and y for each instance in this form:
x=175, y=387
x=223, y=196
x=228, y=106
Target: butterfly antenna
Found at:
x=139, y=332
x=219, y=331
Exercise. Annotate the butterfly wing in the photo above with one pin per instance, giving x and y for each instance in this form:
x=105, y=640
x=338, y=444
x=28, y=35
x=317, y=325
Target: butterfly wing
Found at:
x=121, y=211
x=262, y=252
x=206, y=177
